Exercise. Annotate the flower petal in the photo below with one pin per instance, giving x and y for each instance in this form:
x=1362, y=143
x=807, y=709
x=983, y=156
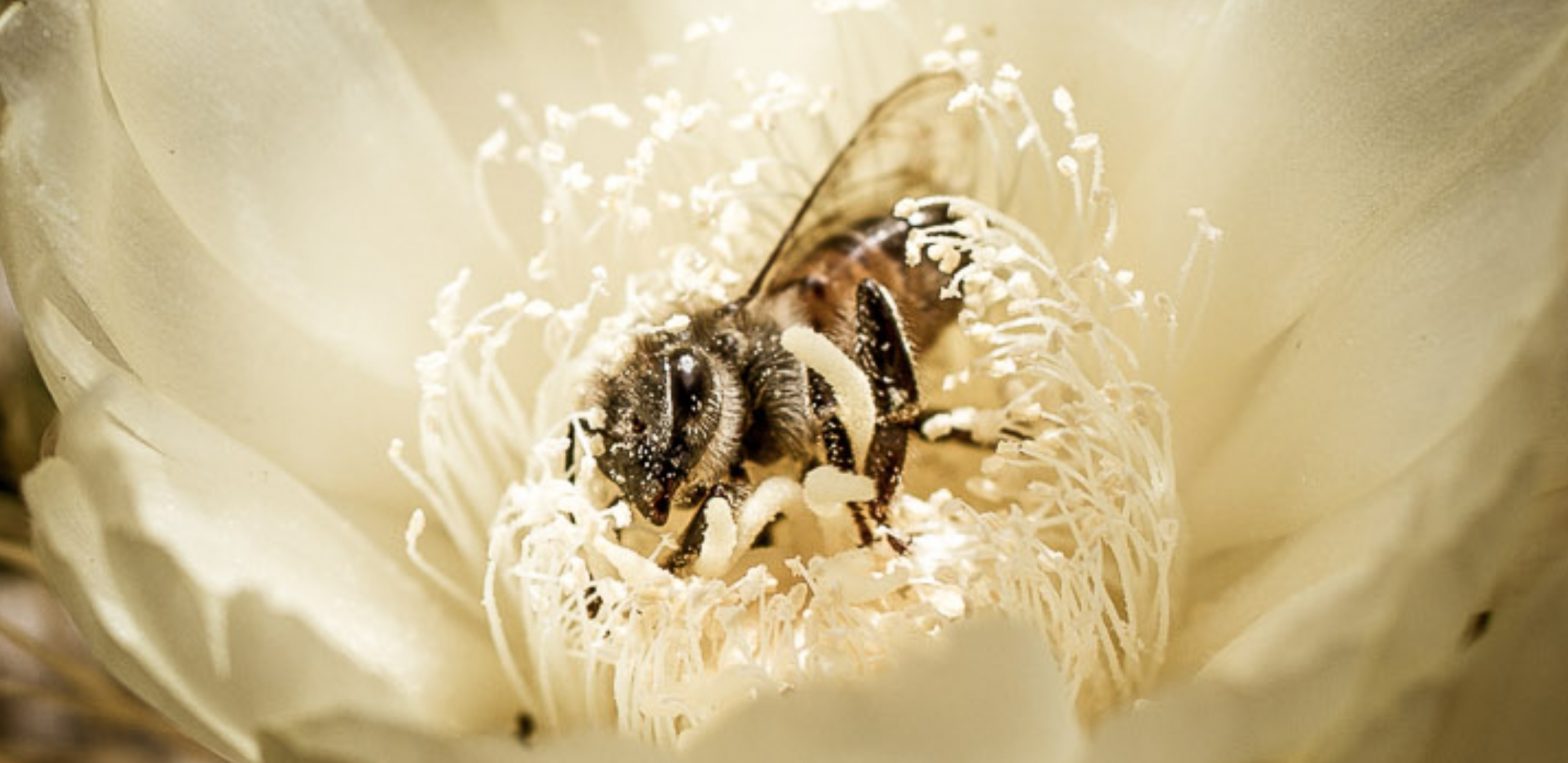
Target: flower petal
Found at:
x=1125, y=61
x=994, y=693
x=1506, y=701
x=229, y=595
x=464, y=54
x=322, y=168
x=1391, y=189
x=263, y=242
x=347, y=738
x=1335, y=626
x=459, y=56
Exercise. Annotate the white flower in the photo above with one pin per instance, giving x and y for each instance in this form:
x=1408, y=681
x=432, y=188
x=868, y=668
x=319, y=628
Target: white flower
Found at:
x=225, y=227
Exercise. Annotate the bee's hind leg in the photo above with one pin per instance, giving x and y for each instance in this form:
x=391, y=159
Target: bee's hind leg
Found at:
x=883, y=353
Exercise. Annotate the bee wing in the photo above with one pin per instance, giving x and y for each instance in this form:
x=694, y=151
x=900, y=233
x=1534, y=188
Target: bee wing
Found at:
x=909, y=146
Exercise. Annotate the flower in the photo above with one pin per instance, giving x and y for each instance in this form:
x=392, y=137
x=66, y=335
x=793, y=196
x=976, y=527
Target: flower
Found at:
x=227, y=283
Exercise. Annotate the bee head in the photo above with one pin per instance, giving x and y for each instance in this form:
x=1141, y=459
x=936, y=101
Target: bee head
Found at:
x=662, y=409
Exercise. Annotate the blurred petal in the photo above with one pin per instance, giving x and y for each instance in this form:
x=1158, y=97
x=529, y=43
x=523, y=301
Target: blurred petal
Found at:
x=304, y=157
x=262, y=242
x=1391, y=188
x=1502, y=702
x=993, y=694
x=1506, y=703
x=354, y=739
x=1125, y=61
x=1234, y=589
x=1122, y=52
x=229, y=595
x=464, y=54
x=1339, y=623
x=458, y=56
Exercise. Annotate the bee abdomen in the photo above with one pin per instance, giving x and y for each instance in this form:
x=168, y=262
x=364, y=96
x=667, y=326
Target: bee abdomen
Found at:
x=820, y=291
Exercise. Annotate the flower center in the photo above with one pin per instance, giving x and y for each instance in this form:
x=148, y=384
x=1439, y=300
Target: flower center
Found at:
x=1060, y=512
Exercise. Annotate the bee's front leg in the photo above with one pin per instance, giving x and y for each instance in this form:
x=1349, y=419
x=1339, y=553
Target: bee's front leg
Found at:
x=570, y=463
x=691, y=541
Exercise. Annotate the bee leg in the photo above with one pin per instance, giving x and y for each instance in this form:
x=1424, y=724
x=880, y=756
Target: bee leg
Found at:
x=836, y=445
x=571, y=453
x=885, y=467
x=569, y=464
x=735, y=492
x=884, y=355
x=691, y=541
x=835, y=438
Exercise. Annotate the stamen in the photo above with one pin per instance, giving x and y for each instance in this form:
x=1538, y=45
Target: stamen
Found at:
x=827, y=487
x=1069, y=524
x=718, y=543
x=444, y=582
x=856, y=407
x=774, y=497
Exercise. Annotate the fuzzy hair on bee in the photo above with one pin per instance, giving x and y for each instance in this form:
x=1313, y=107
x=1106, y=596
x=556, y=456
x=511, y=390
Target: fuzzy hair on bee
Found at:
x=691, y=404
x=688, y=402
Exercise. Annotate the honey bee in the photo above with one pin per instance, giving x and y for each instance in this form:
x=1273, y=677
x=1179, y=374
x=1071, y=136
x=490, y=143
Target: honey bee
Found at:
x=689, y=407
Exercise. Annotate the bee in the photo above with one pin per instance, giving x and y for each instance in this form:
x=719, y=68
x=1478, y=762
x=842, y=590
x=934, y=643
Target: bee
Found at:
x=689, y=407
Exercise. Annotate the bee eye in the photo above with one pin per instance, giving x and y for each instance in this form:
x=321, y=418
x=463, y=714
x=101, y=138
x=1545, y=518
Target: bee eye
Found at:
x=638, y=426
x=688, y=379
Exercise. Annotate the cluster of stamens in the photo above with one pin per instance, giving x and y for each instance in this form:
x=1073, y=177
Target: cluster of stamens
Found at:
x=1064, y=520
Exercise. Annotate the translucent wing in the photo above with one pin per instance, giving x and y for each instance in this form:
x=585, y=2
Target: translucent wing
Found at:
x=909, y=146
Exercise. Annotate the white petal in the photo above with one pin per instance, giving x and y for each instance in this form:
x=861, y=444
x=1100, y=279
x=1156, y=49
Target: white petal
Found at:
x=1391, y=189
x=459, y=55
x=465, y=54
x=1501, y=699
x=344, y=738
x=993, y=694
x=229, y=595
x=1506, y=701
x=264, y=240
x=302, y=156
x=1336, y=626
x=1126, y=61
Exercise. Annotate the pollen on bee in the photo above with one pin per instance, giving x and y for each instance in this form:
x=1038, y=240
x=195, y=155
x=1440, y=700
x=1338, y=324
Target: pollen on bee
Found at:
x=827, y=487
x=718, y=541
x=951, y=259
x=575, y=581
x=857, y=409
